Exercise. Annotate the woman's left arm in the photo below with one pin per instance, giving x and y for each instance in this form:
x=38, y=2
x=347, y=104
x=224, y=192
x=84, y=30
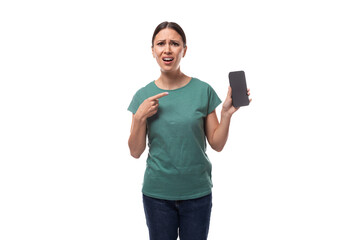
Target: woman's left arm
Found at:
x=217, y=133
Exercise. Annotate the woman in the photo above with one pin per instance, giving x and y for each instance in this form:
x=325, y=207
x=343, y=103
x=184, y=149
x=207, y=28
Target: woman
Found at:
x=177, y=112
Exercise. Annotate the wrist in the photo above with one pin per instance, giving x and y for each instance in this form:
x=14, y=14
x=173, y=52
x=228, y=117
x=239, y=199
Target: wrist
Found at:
x=139, y=118
x=225, y=114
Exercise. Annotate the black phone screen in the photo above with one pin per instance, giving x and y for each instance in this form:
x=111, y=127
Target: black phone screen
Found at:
x=239, y=90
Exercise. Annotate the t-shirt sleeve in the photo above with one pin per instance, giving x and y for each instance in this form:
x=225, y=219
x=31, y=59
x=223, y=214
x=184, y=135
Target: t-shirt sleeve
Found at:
x=214, y=100
x=135, y=102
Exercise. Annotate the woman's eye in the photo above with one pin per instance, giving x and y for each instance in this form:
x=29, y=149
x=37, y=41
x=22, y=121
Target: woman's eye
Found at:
x=172, y=43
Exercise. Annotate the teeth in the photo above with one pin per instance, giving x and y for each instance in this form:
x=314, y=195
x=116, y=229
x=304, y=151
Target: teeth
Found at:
x=168, y=59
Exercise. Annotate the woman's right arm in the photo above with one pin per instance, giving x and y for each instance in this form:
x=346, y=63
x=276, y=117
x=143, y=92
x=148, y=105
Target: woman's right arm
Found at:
x=137, y=139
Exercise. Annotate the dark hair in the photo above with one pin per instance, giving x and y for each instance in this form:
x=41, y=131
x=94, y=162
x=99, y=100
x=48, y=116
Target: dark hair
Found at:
x=171, y=25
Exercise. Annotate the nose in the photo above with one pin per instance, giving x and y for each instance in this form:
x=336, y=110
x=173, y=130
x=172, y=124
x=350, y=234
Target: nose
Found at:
x=167, y=48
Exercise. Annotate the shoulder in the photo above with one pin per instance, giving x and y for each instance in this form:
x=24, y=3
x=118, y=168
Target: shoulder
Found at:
x=145, y=90
x=199, y=83
x=202, y=85
x=146, y=87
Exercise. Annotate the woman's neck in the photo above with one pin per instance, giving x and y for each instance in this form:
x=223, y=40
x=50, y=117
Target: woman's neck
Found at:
x=172, y=80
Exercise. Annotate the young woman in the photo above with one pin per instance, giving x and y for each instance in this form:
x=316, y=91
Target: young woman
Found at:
x=177, y=113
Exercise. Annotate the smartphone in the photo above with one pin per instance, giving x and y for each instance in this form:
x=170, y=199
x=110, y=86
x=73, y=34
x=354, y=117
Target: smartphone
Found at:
x=239, y=90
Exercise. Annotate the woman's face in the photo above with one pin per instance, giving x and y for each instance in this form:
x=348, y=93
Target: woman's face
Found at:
x=168, y=49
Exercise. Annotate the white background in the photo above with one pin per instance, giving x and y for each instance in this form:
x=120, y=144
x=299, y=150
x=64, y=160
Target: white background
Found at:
x=69, y=69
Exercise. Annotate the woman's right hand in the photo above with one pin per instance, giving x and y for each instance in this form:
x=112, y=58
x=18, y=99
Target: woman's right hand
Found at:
x=137, y=139
x=149, y=106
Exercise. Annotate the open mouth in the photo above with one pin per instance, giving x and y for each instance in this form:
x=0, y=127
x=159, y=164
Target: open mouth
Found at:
x=167, y=59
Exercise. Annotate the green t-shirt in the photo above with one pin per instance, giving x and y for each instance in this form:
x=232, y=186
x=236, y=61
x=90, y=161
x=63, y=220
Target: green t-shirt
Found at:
x=177, y=165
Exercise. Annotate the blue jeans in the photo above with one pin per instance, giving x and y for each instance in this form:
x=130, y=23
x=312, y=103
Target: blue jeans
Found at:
x=190, y=219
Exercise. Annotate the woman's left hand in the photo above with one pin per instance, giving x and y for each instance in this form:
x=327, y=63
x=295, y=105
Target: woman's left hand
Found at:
x=228, y=109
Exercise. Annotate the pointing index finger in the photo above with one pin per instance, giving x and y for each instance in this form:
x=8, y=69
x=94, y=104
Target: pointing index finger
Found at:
x=160, y=95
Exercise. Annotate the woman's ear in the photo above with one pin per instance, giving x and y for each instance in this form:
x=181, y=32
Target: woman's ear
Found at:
x=152, y=50
x=185, y=48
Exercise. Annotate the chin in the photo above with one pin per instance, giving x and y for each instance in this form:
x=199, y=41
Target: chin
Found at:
x=169, y=69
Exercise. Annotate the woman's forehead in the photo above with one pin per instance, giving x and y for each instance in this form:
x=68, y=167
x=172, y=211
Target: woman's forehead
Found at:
x=168, y=33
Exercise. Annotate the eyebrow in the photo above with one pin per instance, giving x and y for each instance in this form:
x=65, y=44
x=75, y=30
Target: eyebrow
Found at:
x=170, y=40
